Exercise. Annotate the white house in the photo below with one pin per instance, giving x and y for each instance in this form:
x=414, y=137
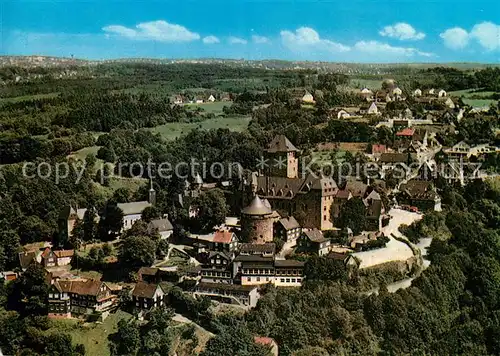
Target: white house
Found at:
x=146, y=296
x=397, y=91
x=308, y=98
x=417, y=92
x=342, y=114
x=132, y=212
x=211, y=98
x=441, y=93
x=163, y=226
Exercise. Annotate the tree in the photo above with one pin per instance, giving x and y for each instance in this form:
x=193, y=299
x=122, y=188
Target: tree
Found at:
x=325, y=269
x=138, y=251
x=150, y=213
x=106, y=154
x=127, y=340
x=111, y=222
x=30, y=292
x=352, y=214
x=89, y=225
x=212, y=209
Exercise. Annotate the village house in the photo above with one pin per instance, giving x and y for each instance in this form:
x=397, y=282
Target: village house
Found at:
x=375, y=211
x=148, y=295
x=162, y=226
x=420, y=194
x=314, y=241
x=243, y=295
x=177, y=99
x=216, y=267
x=287, y=229
x=369, y=109
x=68, y=298
x=366, y=93
x=26, y=258
x=417, y=92
x=308, y=98
x=211, y=99
x=53, y=258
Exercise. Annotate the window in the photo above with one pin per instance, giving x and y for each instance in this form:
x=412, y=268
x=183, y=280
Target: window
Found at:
x=249, y=279
x=282, y=280
x=293, y=280
x=258, y=279
x=288, y=280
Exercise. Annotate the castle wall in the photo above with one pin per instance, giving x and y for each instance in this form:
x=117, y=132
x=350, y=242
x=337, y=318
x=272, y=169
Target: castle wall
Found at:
x=256, y=229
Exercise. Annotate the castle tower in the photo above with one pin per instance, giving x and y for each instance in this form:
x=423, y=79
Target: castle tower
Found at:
x=281, y=156
x=257, y=222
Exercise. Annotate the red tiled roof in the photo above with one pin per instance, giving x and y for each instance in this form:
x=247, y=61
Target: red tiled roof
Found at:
x=262, y=340
x=46, y=253
x=343, y=194
x=223, y=236
x=64, y=253
x=406, y=132
x=378, y=148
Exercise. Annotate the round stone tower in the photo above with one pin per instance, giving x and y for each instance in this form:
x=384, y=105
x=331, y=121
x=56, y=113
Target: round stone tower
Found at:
x=257, y=222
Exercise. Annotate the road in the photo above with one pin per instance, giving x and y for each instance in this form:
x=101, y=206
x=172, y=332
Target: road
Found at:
x=395, y=250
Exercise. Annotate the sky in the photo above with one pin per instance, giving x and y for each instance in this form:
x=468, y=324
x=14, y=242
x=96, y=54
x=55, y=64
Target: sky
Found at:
x=338, y=31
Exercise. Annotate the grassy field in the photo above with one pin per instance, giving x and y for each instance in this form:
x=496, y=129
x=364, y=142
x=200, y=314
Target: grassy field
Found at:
x=365, y=83
x=215, y=108
x=94, y=336
x=467, y=95
x=27, y=97
x=81, y=154
x=173, y=130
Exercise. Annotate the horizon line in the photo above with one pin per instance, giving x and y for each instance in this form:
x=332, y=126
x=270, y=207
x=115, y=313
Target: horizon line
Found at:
x=241, y=60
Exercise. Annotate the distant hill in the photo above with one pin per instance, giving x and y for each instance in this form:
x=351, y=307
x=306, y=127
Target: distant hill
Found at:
x=348, y=68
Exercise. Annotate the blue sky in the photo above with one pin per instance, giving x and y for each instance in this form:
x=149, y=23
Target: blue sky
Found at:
x=340, y=31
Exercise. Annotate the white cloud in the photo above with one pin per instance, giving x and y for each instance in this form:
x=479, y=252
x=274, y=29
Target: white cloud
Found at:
x=210, y=40
x=237, y=40
x=402, y=31
x=306, y=37
x=161, y=31
x=487, y=34
x=260, y=39
x=378, y=48
x=455, y=38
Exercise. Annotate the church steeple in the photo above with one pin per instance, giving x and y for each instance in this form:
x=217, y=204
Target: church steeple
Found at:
x=152, y=193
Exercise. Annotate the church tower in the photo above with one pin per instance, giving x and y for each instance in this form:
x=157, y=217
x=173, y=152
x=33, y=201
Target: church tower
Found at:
x=281, y=158
x=152, y=193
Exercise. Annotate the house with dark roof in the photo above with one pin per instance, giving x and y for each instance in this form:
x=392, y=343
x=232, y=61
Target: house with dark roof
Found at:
x=53, y=258
x=28, y=257
x=79, y=297
x=314, y=241
x=148, y=295
x=375, y=211
x=216, y=267
x=287, y=229
x=162, y=226
x=421, y=194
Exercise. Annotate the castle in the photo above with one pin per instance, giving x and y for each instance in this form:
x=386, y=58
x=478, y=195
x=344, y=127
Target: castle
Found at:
x=307, y=197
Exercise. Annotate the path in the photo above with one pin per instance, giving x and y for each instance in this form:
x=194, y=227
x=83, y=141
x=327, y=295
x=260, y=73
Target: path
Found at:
x=182, y=319
x=394, y=250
